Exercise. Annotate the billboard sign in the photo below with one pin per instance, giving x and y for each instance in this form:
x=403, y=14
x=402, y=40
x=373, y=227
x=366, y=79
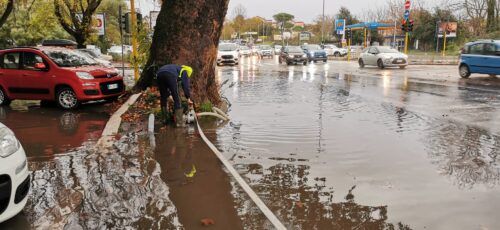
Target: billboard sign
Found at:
x=340, y=26
x=450, y=28
x=305, y=36
x=98, y=23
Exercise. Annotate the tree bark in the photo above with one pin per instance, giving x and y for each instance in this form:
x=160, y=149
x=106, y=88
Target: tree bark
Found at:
x=76, y=17
x=6, y=13
x=187, y=33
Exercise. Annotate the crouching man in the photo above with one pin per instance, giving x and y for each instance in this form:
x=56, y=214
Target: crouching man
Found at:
x=168, y=77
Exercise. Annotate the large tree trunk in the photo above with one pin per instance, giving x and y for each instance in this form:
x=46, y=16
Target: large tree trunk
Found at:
x=7, y=11
x=187, y=33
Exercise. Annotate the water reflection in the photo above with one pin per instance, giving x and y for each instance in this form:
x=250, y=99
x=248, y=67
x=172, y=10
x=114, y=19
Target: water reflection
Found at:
x=47, y=131
x=118, y=189
x=303, y=202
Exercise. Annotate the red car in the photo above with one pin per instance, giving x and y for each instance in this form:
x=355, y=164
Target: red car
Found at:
x=56, y=74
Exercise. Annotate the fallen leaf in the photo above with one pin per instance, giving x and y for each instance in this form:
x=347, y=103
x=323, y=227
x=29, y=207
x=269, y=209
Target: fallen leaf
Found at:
x=192, y=173
x=207, y=222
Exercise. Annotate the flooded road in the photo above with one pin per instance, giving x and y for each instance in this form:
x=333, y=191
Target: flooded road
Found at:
x=370, y=151
x=46, y=131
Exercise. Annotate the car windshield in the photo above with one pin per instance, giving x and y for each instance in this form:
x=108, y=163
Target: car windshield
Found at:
x=294, y=49
x=228, y=47
x=384, y=49
x=265, y=47
x=90, y=52
x=70, y=58
x=313, y=47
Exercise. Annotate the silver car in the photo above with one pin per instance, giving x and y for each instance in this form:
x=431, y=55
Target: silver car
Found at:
x=382, y=56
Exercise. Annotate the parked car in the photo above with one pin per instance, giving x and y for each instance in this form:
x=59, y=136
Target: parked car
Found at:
x=314, y=53
x=382, y=56
x=14, y=175
x=481, y=57
x=333, y=50
x=228, y=54
x=266, y=51
x=56, y=74
x=245, y=51
x=292, y=55
x=255, y=50
x=277, y=49
x=117, y=50
x=91, y=54
x=60, y=43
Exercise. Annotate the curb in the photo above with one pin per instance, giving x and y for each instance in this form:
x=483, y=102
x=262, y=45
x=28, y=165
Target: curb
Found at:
x=114, y=123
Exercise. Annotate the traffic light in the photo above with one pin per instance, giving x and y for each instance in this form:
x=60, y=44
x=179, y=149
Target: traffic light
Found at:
x=404, y=26
x=139, y=19
x=348, y=33
x=410, y=26
x=125, y=22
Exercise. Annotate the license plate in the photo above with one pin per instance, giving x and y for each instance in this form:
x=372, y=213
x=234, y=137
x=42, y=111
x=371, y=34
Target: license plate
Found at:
x=113, y=86
x=400, y=61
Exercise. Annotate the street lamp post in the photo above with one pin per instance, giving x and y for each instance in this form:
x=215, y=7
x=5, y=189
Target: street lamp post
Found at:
x=323, y=25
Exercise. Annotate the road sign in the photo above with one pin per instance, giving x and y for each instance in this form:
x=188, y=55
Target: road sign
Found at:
x=407, y=5
x=153, y=15
x=340, y=26
x=407, y=14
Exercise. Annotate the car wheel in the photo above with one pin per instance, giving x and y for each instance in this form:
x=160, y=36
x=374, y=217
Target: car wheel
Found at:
x=380, y=64
x=4, y=100
x=305, y=63
x=66, y=98
x=337, y=54
x=464, y=71
x=493, y=75
x=402, y=67
x=361, y=63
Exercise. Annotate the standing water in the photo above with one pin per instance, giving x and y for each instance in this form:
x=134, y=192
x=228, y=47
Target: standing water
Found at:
x=333, y=151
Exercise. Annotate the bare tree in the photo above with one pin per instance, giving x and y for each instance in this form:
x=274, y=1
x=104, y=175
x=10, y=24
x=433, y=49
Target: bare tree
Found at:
x=6, y=12
x=75, y=16
x=239, y=10
x=476, y=10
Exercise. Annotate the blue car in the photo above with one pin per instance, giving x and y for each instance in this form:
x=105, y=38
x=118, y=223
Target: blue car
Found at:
x=480, y=57
x=314, y=53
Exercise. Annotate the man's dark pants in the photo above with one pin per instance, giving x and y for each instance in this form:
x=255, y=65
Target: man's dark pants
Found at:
x=167, y=83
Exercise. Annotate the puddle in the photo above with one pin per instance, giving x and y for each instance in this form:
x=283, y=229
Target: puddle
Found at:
x=334, y=151
x=46, y=131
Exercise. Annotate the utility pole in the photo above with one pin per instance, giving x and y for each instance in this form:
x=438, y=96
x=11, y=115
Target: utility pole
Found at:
x=437, y=36
x=323, y=25
x=134, y=38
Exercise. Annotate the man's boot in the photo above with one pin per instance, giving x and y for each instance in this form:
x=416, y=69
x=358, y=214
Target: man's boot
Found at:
x=179, y=118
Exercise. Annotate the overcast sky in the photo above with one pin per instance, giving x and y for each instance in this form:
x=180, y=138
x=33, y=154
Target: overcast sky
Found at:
x=303, y=10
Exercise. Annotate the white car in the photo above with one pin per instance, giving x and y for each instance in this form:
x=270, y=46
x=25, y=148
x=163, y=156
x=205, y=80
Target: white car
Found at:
x=382, y=56
x=277, y=49
x=14, y=175
x=333, y=50
x=245, y=51
x=228, y=54
x=265, y=51
x=117, y=50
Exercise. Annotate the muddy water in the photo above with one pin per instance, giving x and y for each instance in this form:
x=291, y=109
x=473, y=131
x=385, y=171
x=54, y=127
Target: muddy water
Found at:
x=332, y=151
x=46, y=131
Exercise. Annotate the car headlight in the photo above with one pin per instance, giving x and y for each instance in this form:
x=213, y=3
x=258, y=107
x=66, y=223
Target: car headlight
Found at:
x=8, y=142
x=84, y=75
x=290, y=56
x=312, y=53
x=304, y=55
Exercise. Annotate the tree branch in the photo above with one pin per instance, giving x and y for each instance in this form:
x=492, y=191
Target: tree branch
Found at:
x=6, y=13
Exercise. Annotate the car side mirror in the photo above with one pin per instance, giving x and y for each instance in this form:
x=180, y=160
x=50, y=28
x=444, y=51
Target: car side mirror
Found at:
x=40, y=66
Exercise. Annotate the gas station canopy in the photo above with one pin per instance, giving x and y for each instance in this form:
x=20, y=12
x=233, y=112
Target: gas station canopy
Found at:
x=371, y=26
